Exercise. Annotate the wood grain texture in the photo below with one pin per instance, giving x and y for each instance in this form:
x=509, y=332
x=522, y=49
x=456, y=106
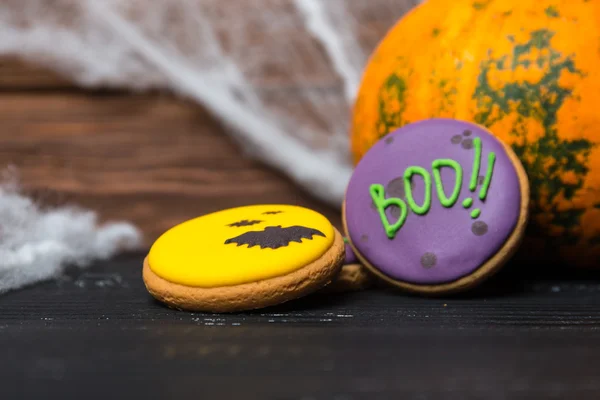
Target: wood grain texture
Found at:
x=152, y=159
x=157, y=160
x=96, y=333
x=16, y=74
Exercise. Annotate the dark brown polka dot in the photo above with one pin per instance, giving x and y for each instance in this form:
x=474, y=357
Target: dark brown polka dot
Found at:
x=456, y=139
x=364, y=238
x=481, y=179
x=467, y=144
x=467, y=133
x=428, y=260
x=479, y=228
x=395, y=188
x=389, y=140
x=413, y=185
x=394, y=211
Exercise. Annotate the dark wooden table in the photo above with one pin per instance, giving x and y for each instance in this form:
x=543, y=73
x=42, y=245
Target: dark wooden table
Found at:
x=98, y=334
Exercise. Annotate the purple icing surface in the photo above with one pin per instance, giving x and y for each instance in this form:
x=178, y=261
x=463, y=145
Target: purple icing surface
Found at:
x=350, y=256
x=446, y=243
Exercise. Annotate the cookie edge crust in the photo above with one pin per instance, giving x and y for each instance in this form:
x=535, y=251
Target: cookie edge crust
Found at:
x=486, y=270
x=252, y=295
x=351, y=278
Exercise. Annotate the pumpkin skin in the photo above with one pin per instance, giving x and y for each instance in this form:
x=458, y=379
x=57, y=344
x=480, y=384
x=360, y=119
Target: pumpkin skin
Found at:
x=529, y=71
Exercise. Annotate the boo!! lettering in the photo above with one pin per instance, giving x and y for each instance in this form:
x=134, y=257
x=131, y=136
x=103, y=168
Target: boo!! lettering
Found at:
x=377, y=191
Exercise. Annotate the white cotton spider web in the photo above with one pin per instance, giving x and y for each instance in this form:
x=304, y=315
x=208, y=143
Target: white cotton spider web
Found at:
x=280, y=74
x=36, y=244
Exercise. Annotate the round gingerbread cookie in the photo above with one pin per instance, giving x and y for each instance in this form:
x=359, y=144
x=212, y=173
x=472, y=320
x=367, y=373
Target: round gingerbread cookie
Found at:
x=243, y=258
x=436, y=206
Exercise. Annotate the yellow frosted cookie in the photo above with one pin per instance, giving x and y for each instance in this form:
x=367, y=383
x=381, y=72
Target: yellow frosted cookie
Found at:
x=243, y=258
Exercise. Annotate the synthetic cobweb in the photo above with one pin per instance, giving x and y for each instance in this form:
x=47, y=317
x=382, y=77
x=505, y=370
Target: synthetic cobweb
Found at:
x=280, y=74
x=36, y=243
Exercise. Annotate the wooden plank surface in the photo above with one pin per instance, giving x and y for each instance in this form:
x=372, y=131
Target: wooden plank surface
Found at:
x=157, y=160
x=96, y=333
x=152, y=159
x=17, y=75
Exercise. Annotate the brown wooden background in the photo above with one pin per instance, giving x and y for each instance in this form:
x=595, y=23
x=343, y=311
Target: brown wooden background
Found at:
x=152, y=159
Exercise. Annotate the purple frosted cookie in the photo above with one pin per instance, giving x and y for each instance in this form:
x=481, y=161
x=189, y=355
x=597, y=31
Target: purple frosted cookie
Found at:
x=436, y=206
x=350, y=256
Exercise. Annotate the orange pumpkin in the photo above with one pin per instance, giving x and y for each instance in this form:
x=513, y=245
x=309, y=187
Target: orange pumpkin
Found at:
x=529, y=70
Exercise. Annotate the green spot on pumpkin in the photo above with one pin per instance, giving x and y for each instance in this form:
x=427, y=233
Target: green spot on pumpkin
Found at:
x=435, y=32
x=549, y=158
x=391, y=104
x=507, y=13
x=501, y=62
x=552, y=12
x=480, y=5
x=445, y=96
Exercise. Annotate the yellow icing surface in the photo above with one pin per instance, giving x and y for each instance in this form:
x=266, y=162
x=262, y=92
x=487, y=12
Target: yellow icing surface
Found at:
x=194, y=253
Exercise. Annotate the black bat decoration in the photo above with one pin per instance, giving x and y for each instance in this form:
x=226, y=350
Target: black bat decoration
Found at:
x=274, y=237
x=272, y=212
x=245, y=222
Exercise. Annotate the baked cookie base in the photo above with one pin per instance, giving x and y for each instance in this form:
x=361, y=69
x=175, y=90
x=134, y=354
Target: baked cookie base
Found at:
x=253, y=295
x=351, y=278
x=485, y=271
